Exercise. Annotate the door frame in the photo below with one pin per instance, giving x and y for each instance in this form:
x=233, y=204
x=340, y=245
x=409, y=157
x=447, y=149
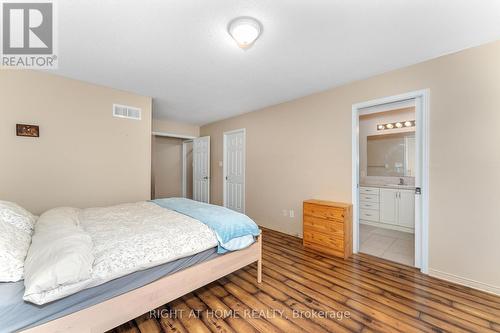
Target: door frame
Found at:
x=422, y=109
x=184, y=166
x=224, y=164
x=186, y=138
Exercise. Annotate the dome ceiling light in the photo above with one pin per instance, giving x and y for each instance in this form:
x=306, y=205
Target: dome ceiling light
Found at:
x=245, y=31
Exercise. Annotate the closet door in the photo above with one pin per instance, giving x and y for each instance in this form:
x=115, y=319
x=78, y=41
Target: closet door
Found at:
x=201, y=169
x=388, y=205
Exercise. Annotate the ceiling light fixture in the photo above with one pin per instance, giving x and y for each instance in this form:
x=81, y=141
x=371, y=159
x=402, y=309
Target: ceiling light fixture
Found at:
x=245, y=31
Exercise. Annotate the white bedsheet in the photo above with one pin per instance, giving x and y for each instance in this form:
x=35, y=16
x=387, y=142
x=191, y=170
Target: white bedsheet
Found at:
x=125, y=238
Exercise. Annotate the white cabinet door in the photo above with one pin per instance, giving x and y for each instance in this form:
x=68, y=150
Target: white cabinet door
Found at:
x=388, y=206
x=406, y=208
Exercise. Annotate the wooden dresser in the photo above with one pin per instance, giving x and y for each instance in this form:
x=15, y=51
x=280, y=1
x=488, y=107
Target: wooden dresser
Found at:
x=328, y=227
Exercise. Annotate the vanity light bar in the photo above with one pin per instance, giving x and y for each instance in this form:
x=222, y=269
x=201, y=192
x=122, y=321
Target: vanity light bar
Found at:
x=399, y=124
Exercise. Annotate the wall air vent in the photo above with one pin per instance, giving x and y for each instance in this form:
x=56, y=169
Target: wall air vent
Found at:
x=124, y=111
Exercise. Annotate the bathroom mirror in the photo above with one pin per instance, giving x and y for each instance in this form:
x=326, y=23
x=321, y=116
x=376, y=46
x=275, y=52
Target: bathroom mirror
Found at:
x=391, y=155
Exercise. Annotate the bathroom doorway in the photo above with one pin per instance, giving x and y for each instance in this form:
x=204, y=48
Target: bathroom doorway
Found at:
x=390, y=177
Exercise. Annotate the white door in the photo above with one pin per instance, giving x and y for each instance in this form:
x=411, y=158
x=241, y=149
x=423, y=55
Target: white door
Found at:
x=406, y=209
x=234, y=170
x=201, y=169
x=388, y=206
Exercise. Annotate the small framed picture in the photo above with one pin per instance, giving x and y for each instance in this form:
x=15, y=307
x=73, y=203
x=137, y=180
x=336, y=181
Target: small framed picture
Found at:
x=27, y=130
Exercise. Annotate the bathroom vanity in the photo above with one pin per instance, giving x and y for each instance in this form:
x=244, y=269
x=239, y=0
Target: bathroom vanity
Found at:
x=388, y=206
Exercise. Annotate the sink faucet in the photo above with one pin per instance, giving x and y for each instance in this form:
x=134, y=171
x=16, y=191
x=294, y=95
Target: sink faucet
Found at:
x=401, y=181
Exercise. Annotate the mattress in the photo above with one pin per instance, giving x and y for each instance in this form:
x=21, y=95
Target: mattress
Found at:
x=16, y=314
x=75, y=249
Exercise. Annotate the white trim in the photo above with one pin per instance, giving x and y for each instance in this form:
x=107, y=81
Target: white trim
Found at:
x=173, y=135
x=425, y=180
x=224, y=151
x=355, y=179
x=387, y=107
x=421, y=230
x=495, y=290
x=209, y=174
x=184, y=168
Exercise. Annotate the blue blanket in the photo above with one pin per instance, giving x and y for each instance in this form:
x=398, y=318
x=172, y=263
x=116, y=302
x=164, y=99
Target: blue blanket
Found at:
x=229, y=226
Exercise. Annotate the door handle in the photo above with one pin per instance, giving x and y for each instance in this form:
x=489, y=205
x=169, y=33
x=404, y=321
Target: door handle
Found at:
x=206, y=177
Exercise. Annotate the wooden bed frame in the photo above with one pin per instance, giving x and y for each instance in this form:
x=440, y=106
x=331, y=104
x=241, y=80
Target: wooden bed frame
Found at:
x=120, y=309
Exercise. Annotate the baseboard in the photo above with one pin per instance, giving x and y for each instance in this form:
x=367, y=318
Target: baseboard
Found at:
x=286, y=232
x=495, y=290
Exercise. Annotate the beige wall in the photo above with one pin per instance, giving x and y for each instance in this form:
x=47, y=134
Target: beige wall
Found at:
x=173, y=127
x=302, y=149
x=167, y=163
x=84, y=156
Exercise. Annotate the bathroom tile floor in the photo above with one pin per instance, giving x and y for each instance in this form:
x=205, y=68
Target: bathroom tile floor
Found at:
x=388, y=244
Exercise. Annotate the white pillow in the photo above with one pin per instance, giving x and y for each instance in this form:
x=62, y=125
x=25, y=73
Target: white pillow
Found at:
x=17, y=216
x=14, y=244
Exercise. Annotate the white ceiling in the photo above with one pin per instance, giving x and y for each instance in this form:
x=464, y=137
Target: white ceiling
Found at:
x=179, y=52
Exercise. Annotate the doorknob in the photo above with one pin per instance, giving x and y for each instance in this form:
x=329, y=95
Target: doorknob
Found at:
x=206, y=177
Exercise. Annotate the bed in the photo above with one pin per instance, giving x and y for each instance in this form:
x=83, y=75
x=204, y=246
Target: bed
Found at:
x=94, y=308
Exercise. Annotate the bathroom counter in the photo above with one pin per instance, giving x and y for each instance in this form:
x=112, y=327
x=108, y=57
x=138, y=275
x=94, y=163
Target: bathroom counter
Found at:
x=393, y=186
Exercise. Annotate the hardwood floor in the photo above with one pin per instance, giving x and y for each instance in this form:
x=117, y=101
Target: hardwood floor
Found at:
x=304, y=291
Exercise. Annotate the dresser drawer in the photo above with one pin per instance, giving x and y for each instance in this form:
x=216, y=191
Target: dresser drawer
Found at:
x=335, y=228
x=369, y=214
x=323, y=239
x=369, y=205
x=369, y=190
x=325, y=249
x=324, y=212
x=368, y=197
